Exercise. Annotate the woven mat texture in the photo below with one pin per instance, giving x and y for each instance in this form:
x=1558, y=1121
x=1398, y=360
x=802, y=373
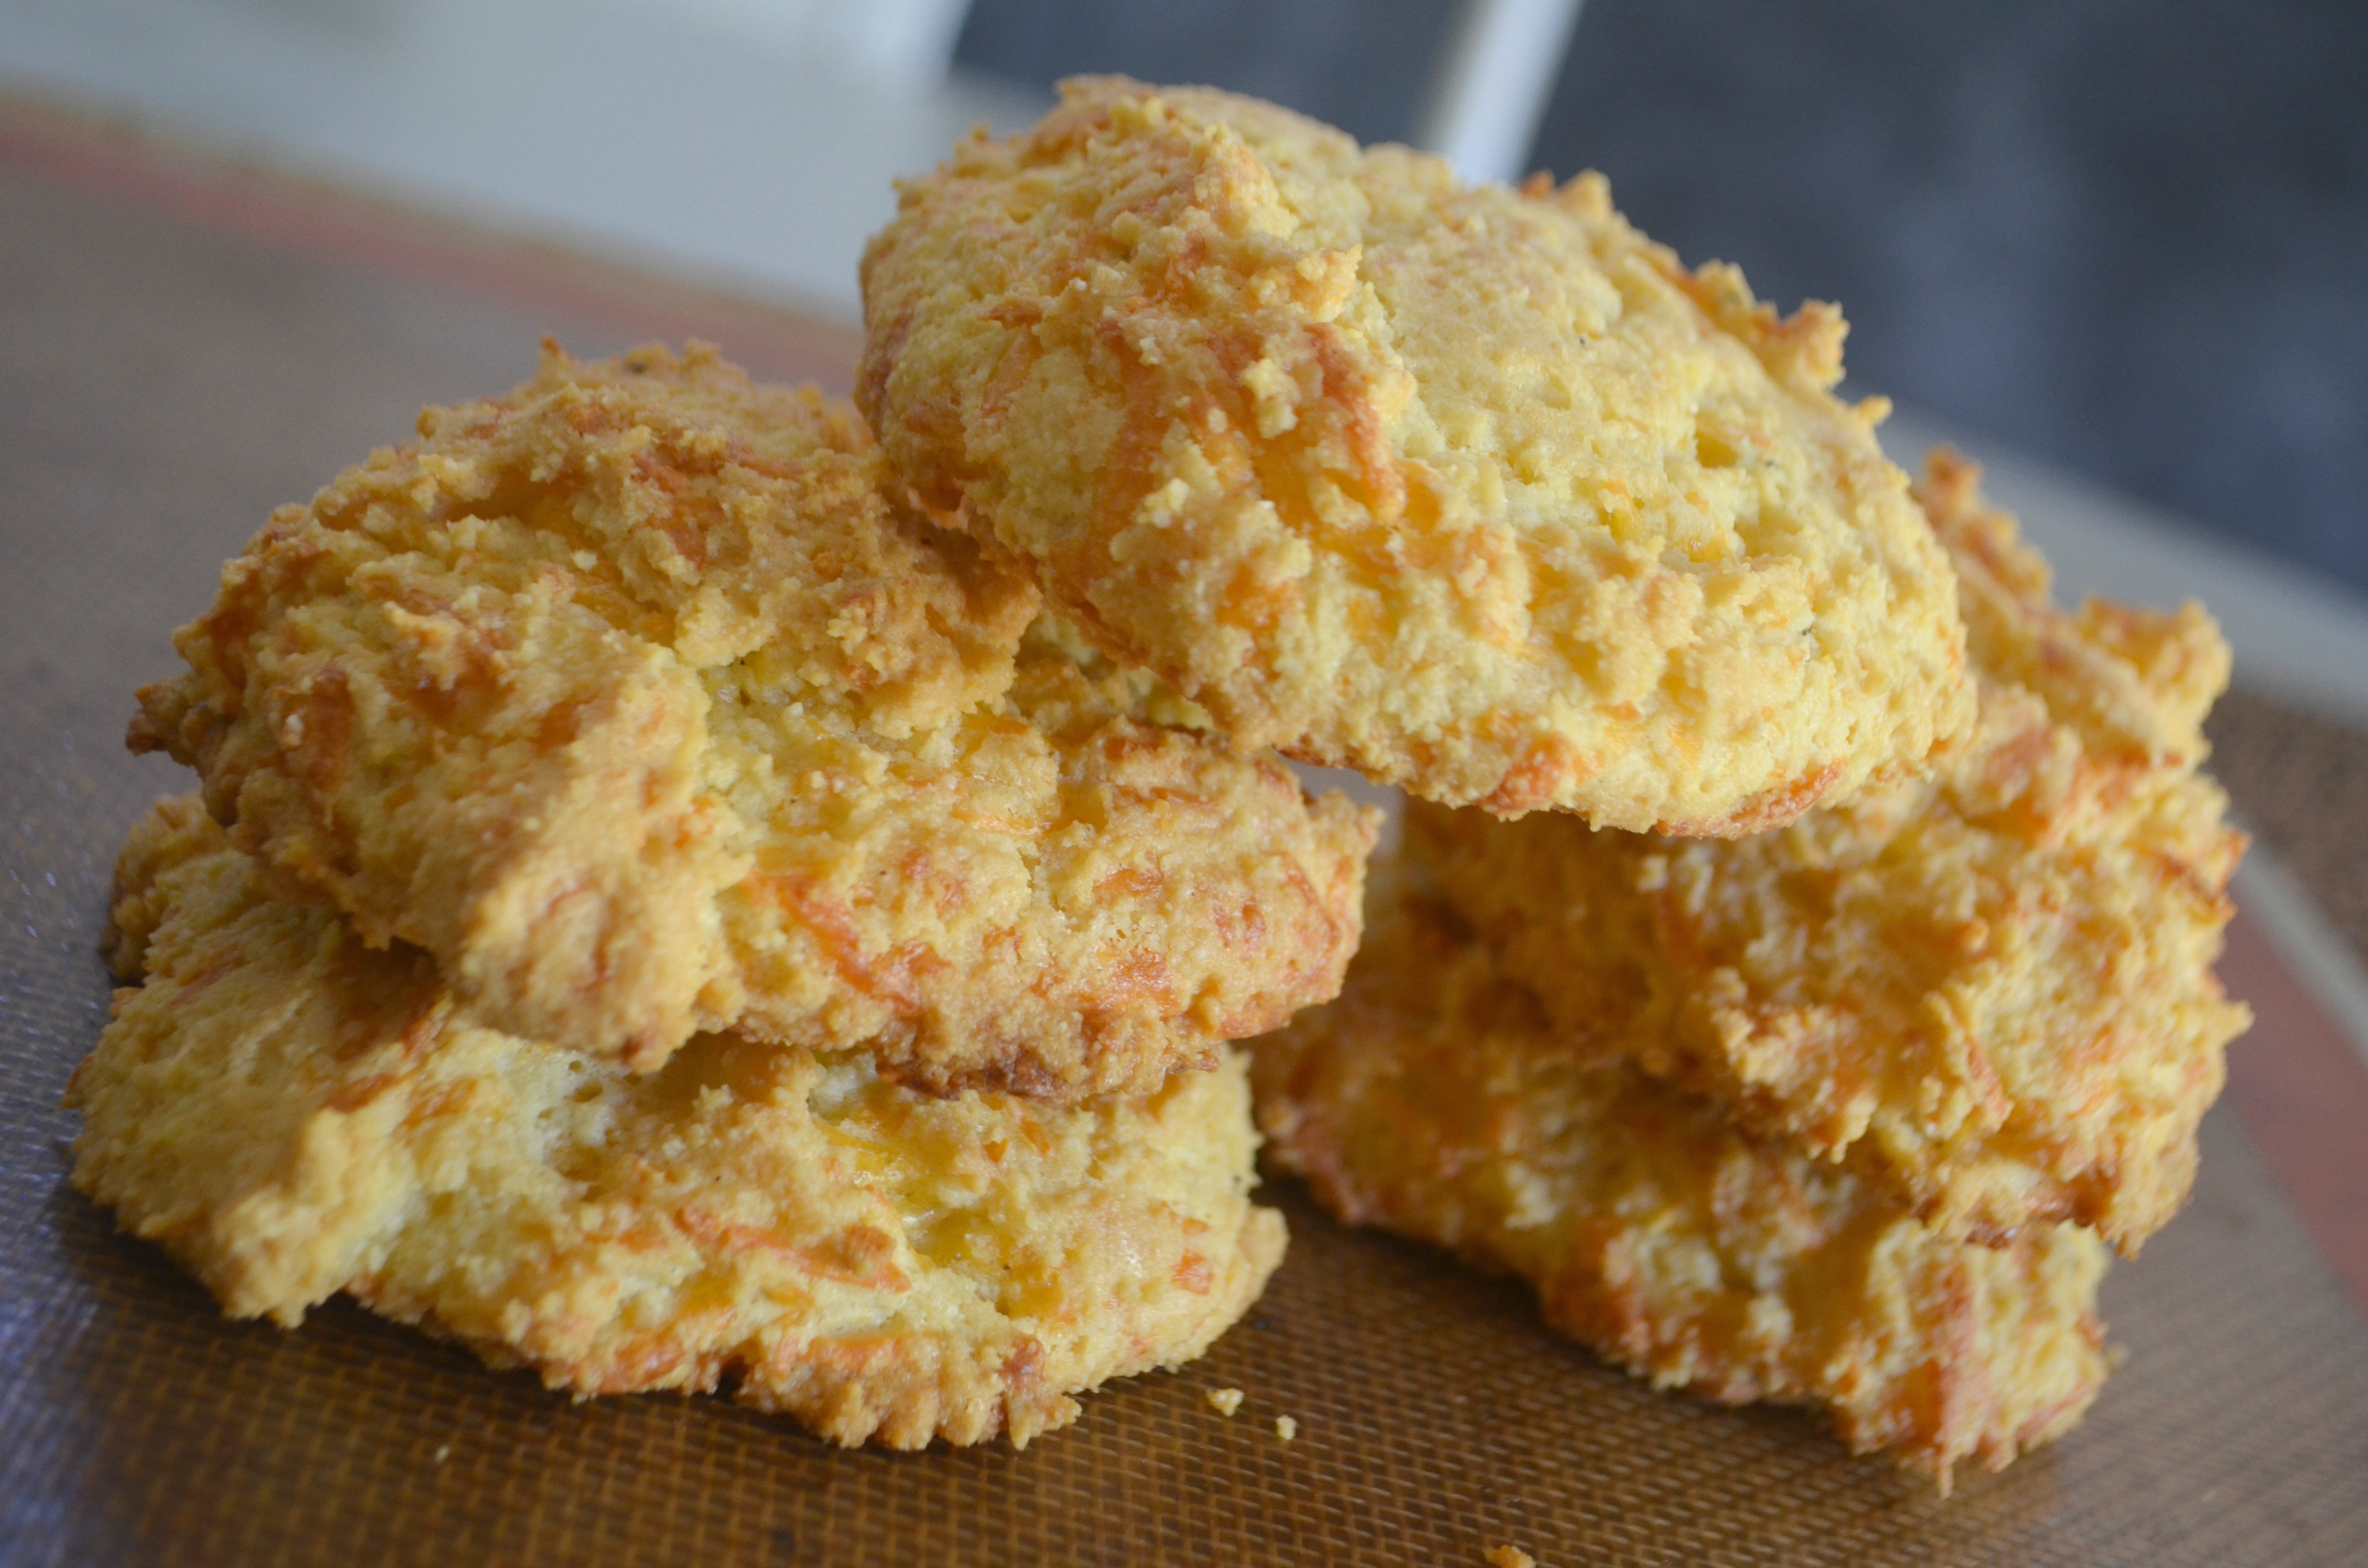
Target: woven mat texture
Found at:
x=166, y=380
x=2300, y=780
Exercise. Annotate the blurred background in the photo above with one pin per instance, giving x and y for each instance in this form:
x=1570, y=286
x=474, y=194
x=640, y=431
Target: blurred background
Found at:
x=2118, y=246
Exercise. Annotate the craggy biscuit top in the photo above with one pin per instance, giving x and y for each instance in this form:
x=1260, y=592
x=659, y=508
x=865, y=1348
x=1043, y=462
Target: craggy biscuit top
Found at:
x=636, y=698
x=1476, y=490
x=294, y=1113
x=1436, y=1099
x=1991, y=990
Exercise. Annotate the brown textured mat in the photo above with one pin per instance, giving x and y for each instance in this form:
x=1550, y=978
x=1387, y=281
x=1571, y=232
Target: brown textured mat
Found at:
x=2301, y=781
x=166, y=379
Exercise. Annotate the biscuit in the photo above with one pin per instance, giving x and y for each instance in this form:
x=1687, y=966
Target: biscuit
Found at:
x=1474, y=490
x=637, y=700
x=1436, y=1099
x=1991, y=990
x=292, y=1114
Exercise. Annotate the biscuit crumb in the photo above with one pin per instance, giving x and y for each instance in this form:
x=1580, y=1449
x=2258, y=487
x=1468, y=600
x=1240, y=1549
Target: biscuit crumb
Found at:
x=1227, y=1401
x=1510, y=1557
x=1285, y=1427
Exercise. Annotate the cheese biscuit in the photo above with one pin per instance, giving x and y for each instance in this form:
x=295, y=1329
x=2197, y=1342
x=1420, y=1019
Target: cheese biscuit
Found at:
x=1476, y=490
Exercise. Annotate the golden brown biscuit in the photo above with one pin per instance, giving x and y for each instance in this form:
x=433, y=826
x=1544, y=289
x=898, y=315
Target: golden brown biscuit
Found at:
x=633, y=698
x=1477, y=491
x=1436, y=1099
x=1991, y=990
x=294, y=1113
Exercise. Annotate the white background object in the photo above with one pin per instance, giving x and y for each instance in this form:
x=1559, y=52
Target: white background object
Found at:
x=1502, y=61
x=907, y=41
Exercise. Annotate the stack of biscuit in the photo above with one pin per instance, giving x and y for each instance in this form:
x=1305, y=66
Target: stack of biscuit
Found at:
x=695, y=886
x=662, y=912
x=1848, y=1113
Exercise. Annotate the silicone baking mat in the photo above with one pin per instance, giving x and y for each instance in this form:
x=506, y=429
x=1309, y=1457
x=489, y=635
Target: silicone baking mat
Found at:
x=180, y=349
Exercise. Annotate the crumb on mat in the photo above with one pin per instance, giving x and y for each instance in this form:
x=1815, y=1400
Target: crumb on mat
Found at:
x=1227, y=1401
